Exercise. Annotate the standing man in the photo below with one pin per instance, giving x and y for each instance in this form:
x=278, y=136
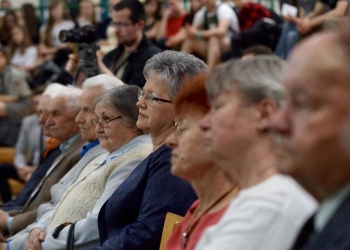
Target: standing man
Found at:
x=313, y=129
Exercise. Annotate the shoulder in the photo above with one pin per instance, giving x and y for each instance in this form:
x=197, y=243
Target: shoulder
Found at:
x=278, y=198
x=30, y=120
x=226, y=10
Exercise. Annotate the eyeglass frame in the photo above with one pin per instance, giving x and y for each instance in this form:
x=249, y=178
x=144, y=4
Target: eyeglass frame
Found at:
x=122, y=25
x=142, y=94
x=96, y=121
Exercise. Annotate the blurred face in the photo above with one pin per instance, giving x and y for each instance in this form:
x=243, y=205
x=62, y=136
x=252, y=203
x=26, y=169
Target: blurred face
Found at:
x=3, y=61
x=229, y=129
x=11, y=21
x=86, y=113
x=43, y=113
x=174, y=6
x=155, y=117
x=189, y=158
x=151, y=8
x=17, y=35
x=61, y=120
x=210, y=4
x=57, y=11
x=195, y=5
x=87, y=9
x=126, y=31
x=310, y=125
x=117, y=133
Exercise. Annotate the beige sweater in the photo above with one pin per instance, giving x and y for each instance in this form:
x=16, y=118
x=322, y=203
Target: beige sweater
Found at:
x=81, y=197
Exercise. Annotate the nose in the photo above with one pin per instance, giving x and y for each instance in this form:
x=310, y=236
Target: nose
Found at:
x=79, y=118
x=141, y=103
x=49, y=121
x=280, y=123
x=172, y=140
x=43, y=118
x=205, y=122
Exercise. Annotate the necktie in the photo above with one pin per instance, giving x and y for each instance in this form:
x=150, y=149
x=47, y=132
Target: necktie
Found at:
x=305, y=234
x=50, y=144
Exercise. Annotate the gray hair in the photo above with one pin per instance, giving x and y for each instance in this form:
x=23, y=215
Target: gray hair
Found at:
x=123, y=99
x=172, y=67
x=71, y=95
x=105, y=81
x=54, y=89
x=256, y=78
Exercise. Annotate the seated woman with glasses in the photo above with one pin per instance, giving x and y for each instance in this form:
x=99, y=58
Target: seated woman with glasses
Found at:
x=133, y=217
x=127, y=147
x=191, y=162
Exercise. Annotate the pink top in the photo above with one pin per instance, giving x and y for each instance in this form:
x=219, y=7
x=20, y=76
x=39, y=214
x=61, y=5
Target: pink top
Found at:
x=175, y=240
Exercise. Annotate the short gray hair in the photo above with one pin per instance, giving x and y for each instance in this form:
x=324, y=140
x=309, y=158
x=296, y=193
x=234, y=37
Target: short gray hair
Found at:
x=123, y=99
x=256, y=78
x=172, y=67
x=105, y=81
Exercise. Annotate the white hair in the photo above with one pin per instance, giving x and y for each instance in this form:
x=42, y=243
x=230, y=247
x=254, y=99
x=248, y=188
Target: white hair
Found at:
x=105, y=81
x=54, y=89
x=71, y=95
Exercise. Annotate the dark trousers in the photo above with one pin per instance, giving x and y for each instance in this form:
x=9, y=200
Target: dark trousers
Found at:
x=6, y=171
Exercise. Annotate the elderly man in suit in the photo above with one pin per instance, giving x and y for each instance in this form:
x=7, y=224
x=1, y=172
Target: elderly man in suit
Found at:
x=313, y=134
x=62, y=111
x=92, y=88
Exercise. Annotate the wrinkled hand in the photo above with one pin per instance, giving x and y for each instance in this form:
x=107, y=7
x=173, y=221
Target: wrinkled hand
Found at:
x=36, y=236
x=3, y=220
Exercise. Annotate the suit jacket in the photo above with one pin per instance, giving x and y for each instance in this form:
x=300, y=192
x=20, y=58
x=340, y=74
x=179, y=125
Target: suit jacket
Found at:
x=32, y=183
x=28, y=214
x=336, y=234
x=45, y=210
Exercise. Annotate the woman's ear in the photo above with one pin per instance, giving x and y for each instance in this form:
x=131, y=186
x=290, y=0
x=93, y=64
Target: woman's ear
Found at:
x=267, y=109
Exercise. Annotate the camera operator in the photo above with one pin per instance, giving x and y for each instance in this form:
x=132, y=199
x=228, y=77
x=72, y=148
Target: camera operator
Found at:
x=126, y=61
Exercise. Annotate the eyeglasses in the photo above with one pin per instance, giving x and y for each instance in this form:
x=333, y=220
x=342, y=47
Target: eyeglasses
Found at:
x=103, y=123
x=121, y=25
x=149, y=97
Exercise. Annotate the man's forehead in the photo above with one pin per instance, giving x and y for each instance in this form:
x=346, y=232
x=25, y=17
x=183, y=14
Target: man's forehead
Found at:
x=316, y=59
x=121, y=14
x=57, y=103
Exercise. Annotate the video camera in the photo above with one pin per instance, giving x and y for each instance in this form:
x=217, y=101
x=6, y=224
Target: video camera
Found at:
x=85, y=38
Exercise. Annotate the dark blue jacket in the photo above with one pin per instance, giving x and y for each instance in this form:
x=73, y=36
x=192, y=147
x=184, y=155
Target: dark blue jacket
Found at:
x=134, y=215
x=33, y=182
